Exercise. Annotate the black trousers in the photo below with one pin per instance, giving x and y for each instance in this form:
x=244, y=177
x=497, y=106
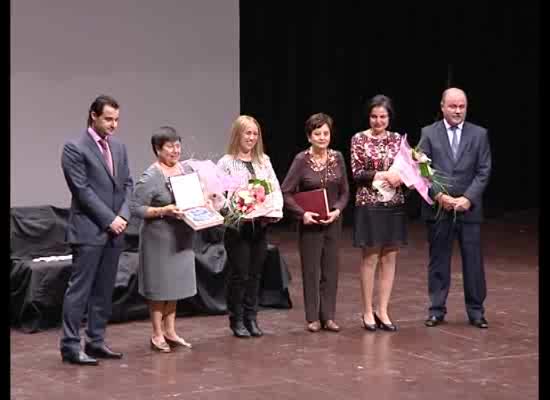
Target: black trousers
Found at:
x=319, y=258
x=246, y=253
x=90, y=288
x=441, y=236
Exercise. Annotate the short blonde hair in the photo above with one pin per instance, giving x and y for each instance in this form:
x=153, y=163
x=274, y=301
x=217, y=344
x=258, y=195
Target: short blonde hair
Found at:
x=238, y=127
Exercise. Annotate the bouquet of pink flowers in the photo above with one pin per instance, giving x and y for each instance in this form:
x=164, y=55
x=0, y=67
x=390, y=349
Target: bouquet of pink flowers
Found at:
x=213, y=179
x=249, y=202
x=414, y=169
x=435, y=178
x=247, y=198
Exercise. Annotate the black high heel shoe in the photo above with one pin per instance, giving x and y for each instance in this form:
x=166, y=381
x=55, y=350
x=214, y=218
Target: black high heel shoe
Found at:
x=385, y=327
x=368, y=327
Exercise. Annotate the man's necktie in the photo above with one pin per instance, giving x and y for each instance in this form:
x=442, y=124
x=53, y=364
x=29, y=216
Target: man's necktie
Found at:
x=454, y=142
x=106, y=154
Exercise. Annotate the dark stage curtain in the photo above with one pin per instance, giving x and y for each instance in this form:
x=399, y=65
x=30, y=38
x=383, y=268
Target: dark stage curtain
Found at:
x=326, y=56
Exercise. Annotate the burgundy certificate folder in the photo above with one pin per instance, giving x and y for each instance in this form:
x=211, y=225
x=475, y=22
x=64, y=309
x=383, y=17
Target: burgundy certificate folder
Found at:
x=314, y=201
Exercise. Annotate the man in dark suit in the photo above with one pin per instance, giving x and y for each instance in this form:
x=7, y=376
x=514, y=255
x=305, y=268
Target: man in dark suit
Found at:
x=95, y=166
x=460, y=151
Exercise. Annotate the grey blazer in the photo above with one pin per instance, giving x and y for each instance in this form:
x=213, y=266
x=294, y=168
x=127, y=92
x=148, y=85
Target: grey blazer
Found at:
x=468, y=175
x=97, y=196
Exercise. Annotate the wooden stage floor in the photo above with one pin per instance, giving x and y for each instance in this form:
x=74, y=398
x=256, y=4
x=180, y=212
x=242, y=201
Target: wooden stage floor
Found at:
x=451, y=361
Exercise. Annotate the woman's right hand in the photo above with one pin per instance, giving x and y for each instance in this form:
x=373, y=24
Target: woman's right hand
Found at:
x=308, y=218
x=389, y=176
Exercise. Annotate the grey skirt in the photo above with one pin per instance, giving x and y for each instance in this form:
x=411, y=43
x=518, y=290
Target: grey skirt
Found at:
x=166, y=260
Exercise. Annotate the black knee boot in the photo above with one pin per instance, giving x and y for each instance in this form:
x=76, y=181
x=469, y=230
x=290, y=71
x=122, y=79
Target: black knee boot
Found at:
x=235, y=296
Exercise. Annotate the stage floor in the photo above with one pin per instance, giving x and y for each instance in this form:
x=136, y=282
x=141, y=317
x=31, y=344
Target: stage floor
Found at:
x=451, y=361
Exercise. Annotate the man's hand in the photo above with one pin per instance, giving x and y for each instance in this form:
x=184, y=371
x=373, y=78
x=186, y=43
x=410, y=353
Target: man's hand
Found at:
x=118, y=225
x=446, y=201
x=462, y=204
x=332, y=216
x=308, y=218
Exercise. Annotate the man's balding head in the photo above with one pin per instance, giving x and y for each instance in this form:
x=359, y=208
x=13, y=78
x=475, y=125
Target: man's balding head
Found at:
x=454, y=105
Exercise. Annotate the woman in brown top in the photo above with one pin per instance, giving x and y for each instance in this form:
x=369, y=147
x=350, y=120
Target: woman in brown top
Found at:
x=318, y=167
x=380, y=222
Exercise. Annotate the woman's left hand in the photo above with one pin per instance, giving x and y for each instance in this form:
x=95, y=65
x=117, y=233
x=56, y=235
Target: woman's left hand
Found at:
x=332, y=216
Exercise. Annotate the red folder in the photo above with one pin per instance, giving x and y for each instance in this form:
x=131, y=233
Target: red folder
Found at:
x=314, y=201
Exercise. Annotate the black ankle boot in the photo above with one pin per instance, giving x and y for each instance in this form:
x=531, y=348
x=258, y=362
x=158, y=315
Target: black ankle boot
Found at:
x=239, y=329
x=253, y=327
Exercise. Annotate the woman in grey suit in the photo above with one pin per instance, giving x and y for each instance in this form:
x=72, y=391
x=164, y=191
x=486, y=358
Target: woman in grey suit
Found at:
x=166, y=257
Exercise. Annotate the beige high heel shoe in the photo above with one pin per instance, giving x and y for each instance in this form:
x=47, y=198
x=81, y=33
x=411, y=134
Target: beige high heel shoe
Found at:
x=178, y=342
x=162, y=347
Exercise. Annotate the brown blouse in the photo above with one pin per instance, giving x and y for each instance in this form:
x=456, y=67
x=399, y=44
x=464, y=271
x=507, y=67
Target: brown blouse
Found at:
x=305, y=174
x=370, y=155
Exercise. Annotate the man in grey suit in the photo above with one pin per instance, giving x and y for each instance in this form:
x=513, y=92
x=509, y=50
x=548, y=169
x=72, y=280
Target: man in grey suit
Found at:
x=95, y=166
x=460, y=151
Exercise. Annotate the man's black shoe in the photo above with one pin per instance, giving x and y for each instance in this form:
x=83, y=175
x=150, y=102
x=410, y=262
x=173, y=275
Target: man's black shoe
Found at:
x=101, y=351
x=79, y=358
x=433, y=321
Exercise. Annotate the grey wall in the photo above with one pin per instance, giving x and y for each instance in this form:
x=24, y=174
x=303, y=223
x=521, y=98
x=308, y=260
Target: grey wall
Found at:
x=170, y=62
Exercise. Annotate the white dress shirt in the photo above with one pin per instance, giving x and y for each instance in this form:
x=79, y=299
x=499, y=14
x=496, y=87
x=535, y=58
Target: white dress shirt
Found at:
x=450, y=132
